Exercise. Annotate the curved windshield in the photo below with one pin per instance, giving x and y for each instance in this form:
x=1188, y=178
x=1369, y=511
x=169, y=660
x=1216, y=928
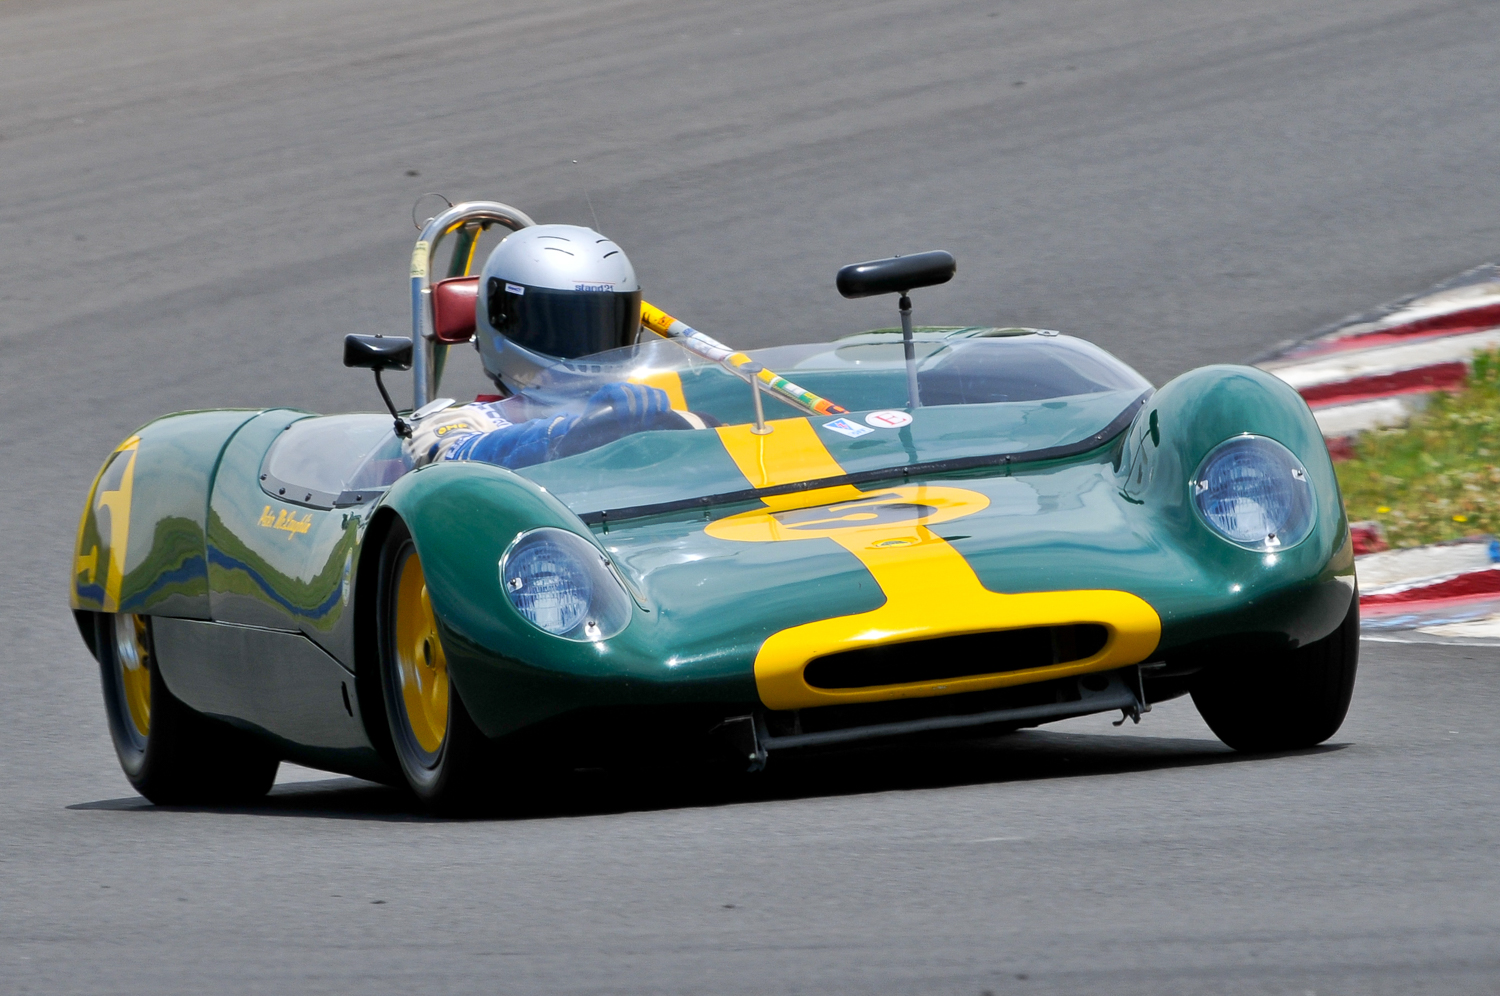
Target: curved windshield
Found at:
x=959, y=366
x=334, y=460
x=863, y=372
x=988, y=397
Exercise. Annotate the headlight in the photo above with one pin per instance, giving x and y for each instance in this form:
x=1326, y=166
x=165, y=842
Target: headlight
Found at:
x=563, y=585
x=1254, y=492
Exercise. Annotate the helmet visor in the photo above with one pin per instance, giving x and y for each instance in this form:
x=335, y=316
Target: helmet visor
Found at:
x=564, y=323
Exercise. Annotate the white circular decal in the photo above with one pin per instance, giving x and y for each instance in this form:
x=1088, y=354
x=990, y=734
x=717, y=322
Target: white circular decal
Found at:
x=888, y=420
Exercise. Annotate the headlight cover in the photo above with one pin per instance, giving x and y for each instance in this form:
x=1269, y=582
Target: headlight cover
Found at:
x=1254, y=492
x=563, y=585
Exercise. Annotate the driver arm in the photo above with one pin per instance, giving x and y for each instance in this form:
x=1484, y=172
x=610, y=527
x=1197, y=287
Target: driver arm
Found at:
x=479, y=432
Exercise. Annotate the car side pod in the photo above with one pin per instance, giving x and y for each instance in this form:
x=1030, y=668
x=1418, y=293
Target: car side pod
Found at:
x=898, y=275
x=377, y=353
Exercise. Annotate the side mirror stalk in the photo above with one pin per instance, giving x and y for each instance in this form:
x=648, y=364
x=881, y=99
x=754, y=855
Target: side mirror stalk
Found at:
x=377, y=353
x=914, y=400
x=899, y=274
x=402, y=428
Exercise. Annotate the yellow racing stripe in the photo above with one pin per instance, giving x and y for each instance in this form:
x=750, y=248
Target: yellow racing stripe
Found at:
x=789, y=453
x=930, y=589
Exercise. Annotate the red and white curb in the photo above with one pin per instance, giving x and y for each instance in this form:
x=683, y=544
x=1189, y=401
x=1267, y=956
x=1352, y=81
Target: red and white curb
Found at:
x=1447, y=592
x=1376, y=370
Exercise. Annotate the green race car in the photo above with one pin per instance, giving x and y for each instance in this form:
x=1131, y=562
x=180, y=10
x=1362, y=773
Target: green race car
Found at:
x=944, y=529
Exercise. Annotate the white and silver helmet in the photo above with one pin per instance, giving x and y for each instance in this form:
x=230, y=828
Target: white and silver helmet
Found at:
x=552, y=293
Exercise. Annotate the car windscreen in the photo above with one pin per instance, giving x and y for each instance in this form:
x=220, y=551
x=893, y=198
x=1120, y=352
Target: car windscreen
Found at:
x=861, y=373
x=980, y=367
x=333, y=460
x=985, y=394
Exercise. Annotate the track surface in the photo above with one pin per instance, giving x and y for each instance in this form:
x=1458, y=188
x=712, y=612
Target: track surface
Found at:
x=195, y=205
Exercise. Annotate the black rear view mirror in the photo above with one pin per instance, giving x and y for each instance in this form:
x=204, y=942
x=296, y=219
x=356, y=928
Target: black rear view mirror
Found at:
x=377, y=353
x=896, y=275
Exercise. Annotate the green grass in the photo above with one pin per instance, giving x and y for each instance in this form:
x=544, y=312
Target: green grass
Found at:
x=1437, y=478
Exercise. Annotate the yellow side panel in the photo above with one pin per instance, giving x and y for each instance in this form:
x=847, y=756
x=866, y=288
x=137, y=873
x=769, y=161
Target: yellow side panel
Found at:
x=113, y=530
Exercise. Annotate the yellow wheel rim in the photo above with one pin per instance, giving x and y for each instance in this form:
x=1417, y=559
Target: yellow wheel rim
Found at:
x=133, y=657
x=422, y=670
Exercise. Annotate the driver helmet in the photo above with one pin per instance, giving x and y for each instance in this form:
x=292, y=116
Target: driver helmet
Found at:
x=549, y=294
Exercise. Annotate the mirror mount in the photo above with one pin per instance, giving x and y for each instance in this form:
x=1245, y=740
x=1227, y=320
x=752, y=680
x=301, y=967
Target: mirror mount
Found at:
x=377, y=353
x=899, y=275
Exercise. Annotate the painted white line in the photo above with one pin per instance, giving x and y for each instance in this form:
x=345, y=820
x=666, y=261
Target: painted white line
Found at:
x=1439, y=305
x=1430, y=614
x=1442, y=303
x=1346, y=420
x=1383, y=360
x=1397, y=570
x=1487, y=628
x=1418, y=585
x=1416, y=636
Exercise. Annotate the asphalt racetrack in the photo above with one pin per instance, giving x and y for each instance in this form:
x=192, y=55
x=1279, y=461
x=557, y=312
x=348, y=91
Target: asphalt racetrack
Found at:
x=197, y=201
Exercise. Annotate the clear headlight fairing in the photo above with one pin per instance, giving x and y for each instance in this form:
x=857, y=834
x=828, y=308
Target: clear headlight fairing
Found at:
x=563, y=585
x=1254, y=492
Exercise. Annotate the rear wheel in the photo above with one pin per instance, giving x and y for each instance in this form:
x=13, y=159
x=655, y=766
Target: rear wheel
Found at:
x=1296, y=701
x=443, y=755
x=170, y=753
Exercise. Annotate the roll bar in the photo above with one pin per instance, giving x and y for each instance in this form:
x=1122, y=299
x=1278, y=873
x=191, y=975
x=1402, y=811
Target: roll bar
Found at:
x=471, y=217
x=460, y=217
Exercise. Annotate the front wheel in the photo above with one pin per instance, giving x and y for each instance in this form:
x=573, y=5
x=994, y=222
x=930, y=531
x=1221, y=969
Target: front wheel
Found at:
x=170, y=754
x=1296, y=701
x=443, y=755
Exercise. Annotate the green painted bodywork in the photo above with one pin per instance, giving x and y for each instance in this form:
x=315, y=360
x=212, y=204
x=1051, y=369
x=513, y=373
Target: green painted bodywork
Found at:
x=675, y=466
x=1116, y=515
x=261, y=575
x=166, y=570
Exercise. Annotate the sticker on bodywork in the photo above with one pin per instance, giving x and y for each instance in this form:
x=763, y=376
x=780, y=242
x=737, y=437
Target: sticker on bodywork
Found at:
x=847, y=427
x=888, y=419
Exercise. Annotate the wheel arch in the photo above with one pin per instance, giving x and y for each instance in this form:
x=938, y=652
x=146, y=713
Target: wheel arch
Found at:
x=366, y=636
x=1299, y=595
x=88, y=622
x=462, y=517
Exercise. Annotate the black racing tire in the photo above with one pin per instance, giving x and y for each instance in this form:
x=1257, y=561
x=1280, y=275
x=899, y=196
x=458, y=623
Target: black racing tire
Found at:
x=446, y=760
x=171, y=754
x=1290, y=703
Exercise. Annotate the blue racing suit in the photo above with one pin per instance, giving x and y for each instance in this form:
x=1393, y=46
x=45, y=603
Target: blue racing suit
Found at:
x=481, y=432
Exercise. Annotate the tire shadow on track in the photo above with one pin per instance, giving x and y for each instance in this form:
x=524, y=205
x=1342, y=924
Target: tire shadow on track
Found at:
x=1025, y=756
